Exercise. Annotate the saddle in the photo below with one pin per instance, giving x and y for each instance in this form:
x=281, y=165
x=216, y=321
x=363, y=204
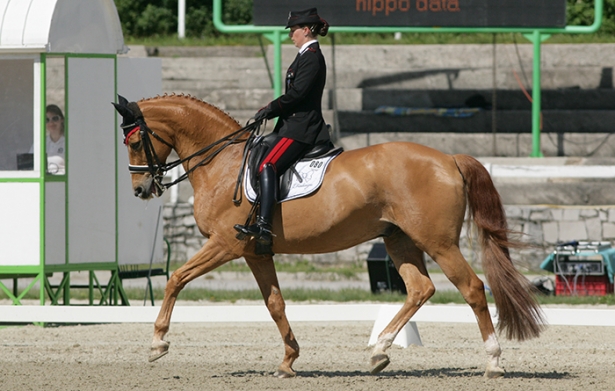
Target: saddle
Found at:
x=259, y=147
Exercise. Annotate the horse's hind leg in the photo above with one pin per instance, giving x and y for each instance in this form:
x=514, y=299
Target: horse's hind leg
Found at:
x=459, y=272
x=408, y=260
x=207, y=258
x=263, y=269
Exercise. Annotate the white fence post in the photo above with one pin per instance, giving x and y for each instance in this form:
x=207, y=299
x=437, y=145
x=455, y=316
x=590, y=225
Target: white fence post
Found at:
x=181, y=19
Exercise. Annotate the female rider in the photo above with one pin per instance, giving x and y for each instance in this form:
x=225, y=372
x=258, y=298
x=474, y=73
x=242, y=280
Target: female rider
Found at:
x=300, y=125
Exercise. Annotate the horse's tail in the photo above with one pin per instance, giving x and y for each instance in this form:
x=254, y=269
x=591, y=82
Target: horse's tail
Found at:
x=520, y=316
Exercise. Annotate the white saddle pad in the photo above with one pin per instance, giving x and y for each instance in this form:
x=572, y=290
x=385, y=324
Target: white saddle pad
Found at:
x=311, y=173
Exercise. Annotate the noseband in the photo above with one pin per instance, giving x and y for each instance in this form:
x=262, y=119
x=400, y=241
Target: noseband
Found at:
x=157, y=169
x=154, y=167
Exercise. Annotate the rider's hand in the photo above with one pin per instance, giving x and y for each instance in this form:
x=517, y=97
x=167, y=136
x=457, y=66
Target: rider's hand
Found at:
x=262, y=114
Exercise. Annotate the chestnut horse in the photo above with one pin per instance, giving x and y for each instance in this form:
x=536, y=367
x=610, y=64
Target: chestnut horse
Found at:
x=412, y=196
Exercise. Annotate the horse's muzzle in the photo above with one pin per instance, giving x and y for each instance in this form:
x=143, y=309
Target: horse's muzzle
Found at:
x=142, y=192
x=149, y=188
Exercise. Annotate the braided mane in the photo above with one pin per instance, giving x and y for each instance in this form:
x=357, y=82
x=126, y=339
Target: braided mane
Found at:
x=191, y=98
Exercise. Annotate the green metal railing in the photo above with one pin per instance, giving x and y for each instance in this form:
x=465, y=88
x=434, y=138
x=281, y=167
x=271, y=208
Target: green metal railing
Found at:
x=534, y=35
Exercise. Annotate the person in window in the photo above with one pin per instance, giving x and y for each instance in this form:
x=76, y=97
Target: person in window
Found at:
x=54, y=123
x=300, y=125
x=55, y=142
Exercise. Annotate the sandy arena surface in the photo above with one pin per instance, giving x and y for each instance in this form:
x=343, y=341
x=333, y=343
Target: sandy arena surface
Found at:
x=334, y=356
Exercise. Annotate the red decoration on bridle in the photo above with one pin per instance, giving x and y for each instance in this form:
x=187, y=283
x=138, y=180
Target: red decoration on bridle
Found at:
x=130, y=133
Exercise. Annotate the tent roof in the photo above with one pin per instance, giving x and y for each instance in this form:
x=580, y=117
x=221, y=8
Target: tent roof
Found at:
x=60, y=26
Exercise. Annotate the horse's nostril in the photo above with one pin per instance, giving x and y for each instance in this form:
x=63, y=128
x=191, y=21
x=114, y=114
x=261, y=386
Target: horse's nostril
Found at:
x=138, y=191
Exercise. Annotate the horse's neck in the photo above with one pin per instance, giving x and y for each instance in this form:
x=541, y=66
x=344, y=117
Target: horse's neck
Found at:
x=188, y=124
x=191, y=141
x=202, y=131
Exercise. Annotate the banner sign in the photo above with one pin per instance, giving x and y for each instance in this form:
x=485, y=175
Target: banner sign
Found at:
x=419, y=13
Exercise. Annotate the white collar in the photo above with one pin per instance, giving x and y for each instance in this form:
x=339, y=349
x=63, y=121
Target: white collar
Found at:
x=305, y=46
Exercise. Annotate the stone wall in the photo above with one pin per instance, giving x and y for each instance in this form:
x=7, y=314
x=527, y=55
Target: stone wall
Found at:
x=542, y=227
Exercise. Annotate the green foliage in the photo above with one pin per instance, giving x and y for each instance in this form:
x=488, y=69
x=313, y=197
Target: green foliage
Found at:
x=155, y=18
x=199, y=22
x=237, y=12
x=581, y=13
x=145, y=18
x=155, y=21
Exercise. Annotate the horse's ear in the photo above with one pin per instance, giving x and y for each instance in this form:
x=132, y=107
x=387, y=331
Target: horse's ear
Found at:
x=124, y=111
x=123, y=101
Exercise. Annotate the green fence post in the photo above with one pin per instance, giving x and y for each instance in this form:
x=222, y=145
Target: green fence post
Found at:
x=536, y=103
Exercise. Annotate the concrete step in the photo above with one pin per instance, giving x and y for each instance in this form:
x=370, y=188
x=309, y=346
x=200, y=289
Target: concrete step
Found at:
x=509, y=145
x=224, y=93
x=253, y=98
x=225, y=98
x=410, y=66
x=254, y=73
x=218, y=72
x=203, y=51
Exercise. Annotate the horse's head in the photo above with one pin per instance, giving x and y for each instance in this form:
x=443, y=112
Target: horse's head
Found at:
x=147, y=151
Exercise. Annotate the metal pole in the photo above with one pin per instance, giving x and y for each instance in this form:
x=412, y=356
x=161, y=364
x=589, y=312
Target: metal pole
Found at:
x=181, y=19
x=494, y=100
x=277, y=63
x=151, y=259
x=336, y=122
x=536, y=152
x=264, y=53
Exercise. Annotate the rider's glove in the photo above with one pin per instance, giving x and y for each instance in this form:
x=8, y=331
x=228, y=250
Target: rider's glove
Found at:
x=262, y=114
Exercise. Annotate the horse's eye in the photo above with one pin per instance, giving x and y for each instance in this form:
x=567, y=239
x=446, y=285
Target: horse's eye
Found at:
x=136, y=145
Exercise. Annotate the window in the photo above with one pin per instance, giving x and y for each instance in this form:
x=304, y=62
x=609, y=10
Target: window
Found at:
x=16, y=114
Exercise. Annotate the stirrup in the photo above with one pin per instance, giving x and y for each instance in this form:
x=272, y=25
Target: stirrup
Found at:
x=262, y=234
x=242, y=231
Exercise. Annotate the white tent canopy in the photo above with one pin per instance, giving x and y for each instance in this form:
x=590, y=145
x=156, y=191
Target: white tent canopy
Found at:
x=60, y=26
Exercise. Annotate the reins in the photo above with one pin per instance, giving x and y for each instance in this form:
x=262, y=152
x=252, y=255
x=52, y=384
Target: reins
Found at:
x=157, y=169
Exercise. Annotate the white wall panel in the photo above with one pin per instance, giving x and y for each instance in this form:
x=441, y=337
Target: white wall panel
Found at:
x=55, y=223
x=20, y=226
x=137, y=78
x=91, y=160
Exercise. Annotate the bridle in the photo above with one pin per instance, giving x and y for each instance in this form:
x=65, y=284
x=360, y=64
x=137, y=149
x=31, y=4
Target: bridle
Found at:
x=157, y=169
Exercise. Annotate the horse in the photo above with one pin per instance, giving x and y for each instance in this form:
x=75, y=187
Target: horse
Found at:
x=412, y=196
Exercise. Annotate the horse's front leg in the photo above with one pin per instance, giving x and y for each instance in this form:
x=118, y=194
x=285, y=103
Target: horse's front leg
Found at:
x=212, y=255
x=263, y=269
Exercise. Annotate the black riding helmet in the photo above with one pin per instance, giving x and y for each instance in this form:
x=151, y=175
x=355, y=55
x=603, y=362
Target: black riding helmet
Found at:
x=308, y=17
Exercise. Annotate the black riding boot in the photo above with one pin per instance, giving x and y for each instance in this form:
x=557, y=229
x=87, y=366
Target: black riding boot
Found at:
x=261, y=231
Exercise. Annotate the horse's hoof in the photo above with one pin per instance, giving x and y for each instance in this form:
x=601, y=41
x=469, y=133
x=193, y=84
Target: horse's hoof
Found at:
x=493, y=373
x=158, y=350
x=379, y=362
x=284, y=374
